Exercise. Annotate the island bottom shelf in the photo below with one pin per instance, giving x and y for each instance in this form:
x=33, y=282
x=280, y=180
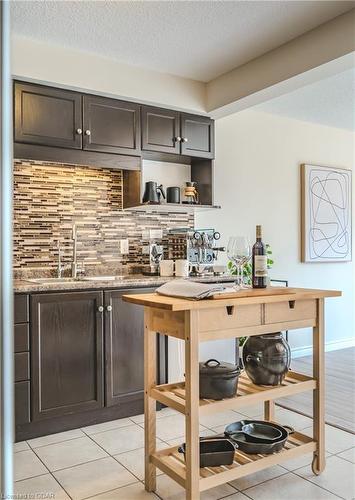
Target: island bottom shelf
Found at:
x=172, y=462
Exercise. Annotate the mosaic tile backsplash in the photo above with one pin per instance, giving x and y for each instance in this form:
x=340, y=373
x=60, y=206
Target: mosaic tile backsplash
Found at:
x=49, y=198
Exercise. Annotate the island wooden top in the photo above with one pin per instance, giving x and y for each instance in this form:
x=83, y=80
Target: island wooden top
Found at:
x=252, y=296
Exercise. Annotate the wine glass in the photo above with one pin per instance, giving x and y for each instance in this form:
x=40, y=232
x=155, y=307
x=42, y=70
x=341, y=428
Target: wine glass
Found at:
x=233, y=256
x=243, y=251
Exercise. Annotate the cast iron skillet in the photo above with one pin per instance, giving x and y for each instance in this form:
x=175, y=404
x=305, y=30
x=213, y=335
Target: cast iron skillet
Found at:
x=248, y=444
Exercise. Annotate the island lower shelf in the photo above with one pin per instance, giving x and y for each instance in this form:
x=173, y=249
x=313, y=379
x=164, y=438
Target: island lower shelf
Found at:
x=173, y=395
x=172, y=462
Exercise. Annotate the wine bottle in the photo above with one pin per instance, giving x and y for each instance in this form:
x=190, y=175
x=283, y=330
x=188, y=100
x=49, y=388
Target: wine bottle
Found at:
x=259, y=262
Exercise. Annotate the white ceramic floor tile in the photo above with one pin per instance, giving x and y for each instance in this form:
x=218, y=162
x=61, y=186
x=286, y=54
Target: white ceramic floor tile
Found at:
x=172, y=426
x=69, y=453
x=252, y=411
x=40, y=487
x=295, y=420
x=93, y=478
x=289, y=487
x=21, y=446
x=237, y=496
x=134, y=461
x=121, y=440
x=221, y=418
x=338, y=477
x=27, y=464
x=164, y=412
x=107, y=426
x=168, y=489
x=302, y=461
x=179, y=440
x=348, y=455
x=258, y=477
x=55, y=438
x=336, y=440
x=133, y=492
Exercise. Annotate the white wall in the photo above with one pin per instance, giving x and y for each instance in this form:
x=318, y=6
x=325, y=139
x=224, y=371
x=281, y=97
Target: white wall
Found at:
x=67, y=67
x=257, y=182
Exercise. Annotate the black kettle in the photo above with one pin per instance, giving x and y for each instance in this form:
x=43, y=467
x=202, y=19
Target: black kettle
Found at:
x=153, y=193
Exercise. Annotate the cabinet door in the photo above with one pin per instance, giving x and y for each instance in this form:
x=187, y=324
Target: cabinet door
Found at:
x=111, y=126
x=124, y=349
x=66, y=353
x=47, y=116
x=197, y=136
x=160, y=130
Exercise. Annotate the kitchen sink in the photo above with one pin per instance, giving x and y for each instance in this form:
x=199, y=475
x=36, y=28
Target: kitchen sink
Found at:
x=46, y=281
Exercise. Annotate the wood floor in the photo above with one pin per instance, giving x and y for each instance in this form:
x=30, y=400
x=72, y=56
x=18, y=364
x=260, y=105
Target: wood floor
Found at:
x=339, y=389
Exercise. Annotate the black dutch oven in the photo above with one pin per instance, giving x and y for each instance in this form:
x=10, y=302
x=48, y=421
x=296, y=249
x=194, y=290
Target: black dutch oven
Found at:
x=218, y=380
x=266, y=358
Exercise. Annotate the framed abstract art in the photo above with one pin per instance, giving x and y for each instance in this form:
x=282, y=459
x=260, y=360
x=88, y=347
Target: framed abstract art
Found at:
x=326, y=226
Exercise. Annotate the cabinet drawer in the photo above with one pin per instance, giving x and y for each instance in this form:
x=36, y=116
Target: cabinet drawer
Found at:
x=22, y=366
x=21, y=309
x=224, y=318
x=297, y=310
x=22, y=403
x=22, y=338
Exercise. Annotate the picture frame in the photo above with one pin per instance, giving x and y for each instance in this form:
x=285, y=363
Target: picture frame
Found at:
x=326, y=214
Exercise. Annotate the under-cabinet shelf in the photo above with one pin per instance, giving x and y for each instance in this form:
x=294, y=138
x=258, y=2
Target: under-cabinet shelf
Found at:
x=172, y=207
x=173, y=395
x=172, y=462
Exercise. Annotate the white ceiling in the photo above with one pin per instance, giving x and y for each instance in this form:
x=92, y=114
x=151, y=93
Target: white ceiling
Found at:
x=198, y=39
x=329, y=102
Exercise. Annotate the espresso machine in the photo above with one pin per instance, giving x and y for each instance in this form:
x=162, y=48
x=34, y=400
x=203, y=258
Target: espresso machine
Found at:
x=198, y=246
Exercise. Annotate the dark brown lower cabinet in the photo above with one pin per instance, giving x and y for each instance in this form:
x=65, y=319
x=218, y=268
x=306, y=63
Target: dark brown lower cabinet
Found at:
x=124, y=353
x=67, y=373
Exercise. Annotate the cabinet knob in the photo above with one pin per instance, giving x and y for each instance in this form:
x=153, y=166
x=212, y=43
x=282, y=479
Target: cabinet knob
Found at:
x=87, y=132
x=184, y=139
x=79, y=131
x=177, y=139
x=109, y=308
x=100, y=309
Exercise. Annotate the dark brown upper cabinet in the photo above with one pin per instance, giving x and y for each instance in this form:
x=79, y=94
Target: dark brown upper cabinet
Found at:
x=111, y=126
x=160, y=130
x=66, y=353
x=47, y=116
x=197, y=136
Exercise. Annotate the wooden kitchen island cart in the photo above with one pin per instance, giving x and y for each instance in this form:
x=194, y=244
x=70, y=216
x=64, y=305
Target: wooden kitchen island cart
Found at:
x=252, y=312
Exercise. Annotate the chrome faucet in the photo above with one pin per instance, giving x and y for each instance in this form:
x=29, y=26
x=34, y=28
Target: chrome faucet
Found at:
x=59, y=265
x=74, y=264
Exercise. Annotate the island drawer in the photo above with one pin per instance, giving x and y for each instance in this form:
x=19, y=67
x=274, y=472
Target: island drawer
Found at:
x=21, y=309
x=22, y=342
x=22, y=366
x=228, y=317
x=297, y=310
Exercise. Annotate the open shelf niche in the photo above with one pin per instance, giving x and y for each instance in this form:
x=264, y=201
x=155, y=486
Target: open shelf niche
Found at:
x=168, y=174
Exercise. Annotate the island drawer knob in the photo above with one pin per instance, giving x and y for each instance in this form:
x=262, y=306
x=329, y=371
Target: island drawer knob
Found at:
x=109, y=308
x=100, y=309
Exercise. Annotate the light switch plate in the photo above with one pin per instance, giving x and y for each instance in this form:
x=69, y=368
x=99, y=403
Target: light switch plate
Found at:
x=124, y=246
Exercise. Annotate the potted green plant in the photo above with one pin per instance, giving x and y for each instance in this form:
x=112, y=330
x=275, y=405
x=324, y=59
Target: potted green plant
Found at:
x=247, y=273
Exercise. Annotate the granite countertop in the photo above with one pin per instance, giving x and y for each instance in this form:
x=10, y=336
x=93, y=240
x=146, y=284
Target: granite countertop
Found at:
x=124, y=281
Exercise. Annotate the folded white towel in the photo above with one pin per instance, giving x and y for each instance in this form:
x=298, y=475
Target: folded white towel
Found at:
x=190, y=289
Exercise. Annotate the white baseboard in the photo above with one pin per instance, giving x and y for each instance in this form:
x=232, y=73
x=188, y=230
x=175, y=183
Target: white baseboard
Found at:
x=329, y=346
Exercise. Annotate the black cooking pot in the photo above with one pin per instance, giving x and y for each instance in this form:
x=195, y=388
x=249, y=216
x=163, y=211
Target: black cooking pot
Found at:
x=266, y=358
x=214, y=451
x=218, y=380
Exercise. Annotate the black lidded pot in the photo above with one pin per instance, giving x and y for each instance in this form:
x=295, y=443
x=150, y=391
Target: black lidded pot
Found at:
x=266, y=358
x=218, y=380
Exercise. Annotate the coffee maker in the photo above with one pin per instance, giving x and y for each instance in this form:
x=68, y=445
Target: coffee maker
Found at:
x=198, y=246
x=153, y=248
